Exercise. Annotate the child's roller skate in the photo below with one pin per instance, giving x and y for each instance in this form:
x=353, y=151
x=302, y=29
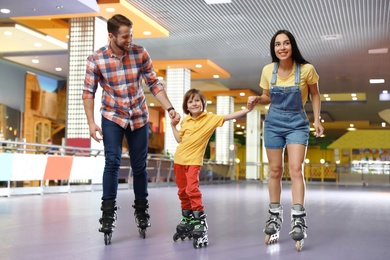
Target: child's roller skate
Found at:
x=199, y=233
x=273, y=224
x=298, y=225
x=141, y=216
x=185, y=228
x=108, y=219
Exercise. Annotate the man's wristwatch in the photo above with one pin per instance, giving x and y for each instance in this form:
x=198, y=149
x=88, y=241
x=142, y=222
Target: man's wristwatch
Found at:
x=171, y=108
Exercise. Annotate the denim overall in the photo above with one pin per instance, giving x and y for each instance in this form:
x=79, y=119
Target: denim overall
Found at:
x=286, y=121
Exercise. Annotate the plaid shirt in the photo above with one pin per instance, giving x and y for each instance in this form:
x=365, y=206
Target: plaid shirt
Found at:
x=123, y=98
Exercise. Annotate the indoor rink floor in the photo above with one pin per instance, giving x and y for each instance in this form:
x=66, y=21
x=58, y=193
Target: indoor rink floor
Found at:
x=344, y=222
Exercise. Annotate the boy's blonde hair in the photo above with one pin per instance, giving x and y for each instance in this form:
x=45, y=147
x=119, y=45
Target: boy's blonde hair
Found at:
x=189, y=94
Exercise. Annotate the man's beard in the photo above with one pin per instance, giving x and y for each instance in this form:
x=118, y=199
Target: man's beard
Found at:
x=120, y=47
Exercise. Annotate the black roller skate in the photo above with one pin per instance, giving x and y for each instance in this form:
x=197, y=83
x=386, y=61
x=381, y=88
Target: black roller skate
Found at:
x=200, y=230
x=108, y=219
x=274, y=223
x=141, y=216
x=185, y=228
x=298, y=225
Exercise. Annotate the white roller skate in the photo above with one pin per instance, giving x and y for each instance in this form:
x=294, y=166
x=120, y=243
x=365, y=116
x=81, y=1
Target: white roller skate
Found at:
x=298, y=226
x=274, y=223
x=199, y=233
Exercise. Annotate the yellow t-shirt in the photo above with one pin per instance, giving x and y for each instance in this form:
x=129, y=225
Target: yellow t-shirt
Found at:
x=309, y=76
x=195, y=134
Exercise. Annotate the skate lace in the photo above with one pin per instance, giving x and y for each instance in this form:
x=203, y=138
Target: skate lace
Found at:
x=274, y=219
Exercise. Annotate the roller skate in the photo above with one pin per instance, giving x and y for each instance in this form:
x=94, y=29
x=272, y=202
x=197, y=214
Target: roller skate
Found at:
x=108, y=219
x=185, y=228
x=141, y=216
x=298, y=225
x=199, y=233
x=273, y=224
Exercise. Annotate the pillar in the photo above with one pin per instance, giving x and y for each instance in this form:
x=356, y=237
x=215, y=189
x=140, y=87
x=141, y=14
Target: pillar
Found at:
x=178, y=82
x=253, y=138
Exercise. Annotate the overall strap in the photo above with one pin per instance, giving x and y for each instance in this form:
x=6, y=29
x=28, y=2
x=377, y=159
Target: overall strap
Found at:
x=297, y=74
x=274, y=72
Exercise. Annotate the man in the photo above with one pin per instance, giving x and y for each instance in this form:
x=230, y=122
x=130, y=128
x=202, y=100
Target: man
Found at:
x=119, y=68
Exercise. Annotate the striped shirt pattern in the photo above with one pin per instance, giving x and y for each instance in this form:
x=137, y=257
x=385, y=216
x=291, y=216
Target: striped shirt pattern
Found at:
x=123, y=98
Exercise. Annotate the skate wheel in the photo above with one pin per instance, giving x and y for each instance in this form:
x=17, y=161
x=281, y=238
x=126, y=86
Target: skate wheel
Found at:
x=267, y=239
x=107, y=238
x=175, y=237
x=299, y=245
x=195, y=244
x=142, y=233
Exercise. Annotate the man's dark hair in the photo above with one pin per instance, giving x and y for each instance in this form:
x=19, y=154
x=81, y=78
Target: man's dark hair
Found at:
x=117, y=21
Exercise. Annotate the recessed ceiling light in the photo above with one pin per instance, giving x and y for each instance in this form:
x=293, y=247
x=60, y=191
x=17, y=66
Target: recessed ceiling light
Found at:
x=331, y=37
x=354, y=98
x=353, y=95
x=59, y=6
x=326, y=95
x=209, y=102
x=35, y=61
x=38, y=44
x=5, y=11
x=351, y=129
x=242, y=94
x=7, y=33
x=383, y=124
x=198, y=66
x=58, y=69
x=147, y=33
x=151, y=104
x=377, y=81
x=385, y=91
x=110, y=9
x=67, y=36
x=378, y=51
x=215, y=76
x=351, y=125
x=327, y=99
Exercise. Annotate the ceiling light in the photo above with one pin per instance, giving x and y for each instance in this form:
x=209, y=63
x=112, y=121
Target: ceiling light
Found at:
x=242, y=94
x=351, y=125
x=7, y=33
x=209, y=102
x=38, y=44
x=215, y=76
x=160, y=78
x=354, y=98
x=331, y=37
x=58, y=69
x=211, y=2
x=383, y=124
x=326, y=95
x=385, y=91
x=243, y=107
x=147, y=32
x=378, y=51
x=59, y=6
x=35, y=61
x=351, y=129
x=41, y=36
x=238, y=125
x=110, y=9
x=5, y=11
x=198, y=66
x=151, y=104
x=377, y=81
x=327, y=99
x=353, y=95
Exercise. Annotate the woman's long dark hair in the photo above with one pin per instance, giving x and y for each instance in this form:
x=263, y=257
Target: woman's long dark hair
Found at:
x=296, y=54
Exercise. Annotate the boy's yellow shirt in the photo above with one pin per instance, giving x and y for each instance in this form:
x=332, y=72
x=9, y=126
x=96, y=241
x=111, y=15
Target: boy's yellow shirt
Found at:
x=195, y=134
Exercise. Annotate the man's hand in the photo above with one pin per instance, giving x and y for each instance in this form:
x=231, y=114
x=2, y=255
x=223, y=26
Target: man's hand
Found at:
x=93, y=128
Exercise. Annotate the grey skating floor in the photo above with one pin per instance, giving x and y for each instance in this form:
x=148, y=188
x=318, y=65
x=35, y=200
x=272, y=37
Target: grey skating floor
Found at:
x=344, y=223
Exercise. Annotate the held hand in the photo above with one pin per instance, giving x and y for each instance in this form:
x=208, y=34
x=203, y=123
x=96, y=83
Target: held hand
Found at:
x=252, y=101
x=172, y=114
x=93, y=128
x=175, y=120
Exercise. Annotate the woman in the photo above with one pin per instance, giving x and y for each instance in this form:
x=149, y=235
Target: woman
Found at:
x=287, y=83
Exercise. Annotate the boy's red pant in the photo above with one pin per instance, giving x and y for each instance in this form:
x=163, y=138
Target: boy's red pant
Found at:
x=187, y=180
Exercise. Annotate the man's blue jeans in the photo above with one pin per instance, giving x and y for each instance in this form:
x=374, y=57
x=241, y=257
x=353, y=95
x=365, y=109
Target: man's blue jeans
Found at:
x=137, y=141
